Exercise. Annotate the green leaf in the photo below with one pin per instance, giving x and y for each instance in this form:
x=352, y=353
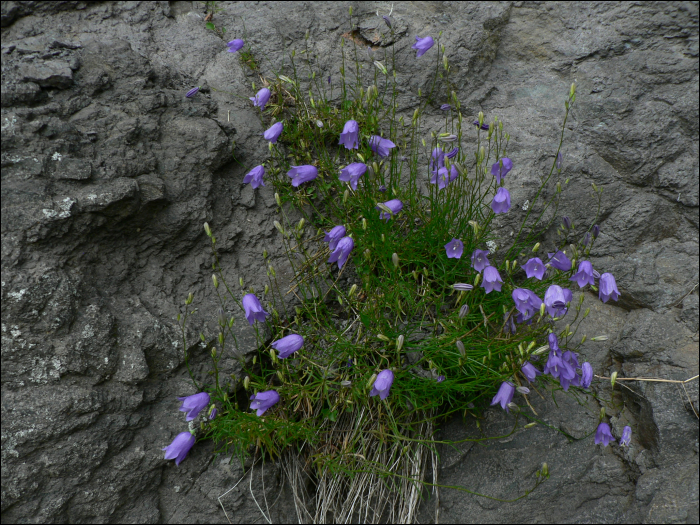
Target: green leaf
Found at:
x=210, y=25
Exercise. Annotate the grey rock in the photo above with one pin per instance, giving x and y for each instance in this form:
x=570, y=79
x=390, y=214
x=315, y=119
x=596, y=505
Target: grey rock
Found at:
x=100, y=248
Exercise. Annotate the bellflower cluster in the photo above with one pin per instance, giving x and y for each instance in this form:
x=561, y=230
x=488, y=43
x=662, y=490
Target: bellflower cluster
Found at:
x=255, y=177
x=382, y=384
x=253, y=309
x=454, y=249
x=352, y=173
x=333, y=236
x=287, y=345
x=342, y=251
x=422, y=45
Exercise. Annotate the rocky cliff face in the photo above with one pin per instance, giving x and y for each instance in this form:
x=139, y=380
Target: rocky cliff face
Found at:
x=108, y=173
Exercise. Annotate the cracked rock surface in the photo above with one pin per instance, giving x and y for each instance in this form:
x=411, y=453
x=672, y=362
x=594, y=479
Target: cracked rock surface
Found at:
x=109, y=172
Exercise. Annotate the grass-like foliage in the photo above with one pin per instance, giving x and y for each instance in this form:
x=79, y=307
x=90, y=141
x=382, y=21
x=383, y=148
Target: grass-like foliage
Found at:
x=393, y=305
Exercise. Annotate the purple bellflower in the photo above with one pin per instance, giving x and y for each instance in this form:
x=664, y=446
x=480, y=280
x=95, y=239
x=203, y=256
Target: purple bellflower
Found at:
x=382, y=384
x=382, y=147
x=509, y=324
x=560, y=158
x=342, y=251
x=301, y=174
x=212, y=414
x=437, y=160
x=194, y=404
x=499, y=171
x=559, y=261
x=454, y=249
x=479, y=260
x=586, y=374
x=235, y=45
x=395, y=205
x=492, y=280
x=501, y=201
x=274, y=132
x=566, y=222
x=382, y=188
x=445, y=107
x=526, y=302
x=626, y=437
x=603, y=435
x=261, y=98
x=553, y=342
x=596, y=231
x=484, y=126
x=422, y=45
x=584, y=275
x=264, y=400
x=352, y=173
x=442, y=178
x=180, y=447
x=555, y=299
x=530, y=372
x=349, y=136
x=607, y=288
x=440, y=379
x=333, y=236
x=534, y=268
x=504, y=395
x=253, y=309
x=192, y=92
x=568, y=375
x=287, y=345
x=586, y=239
x=387, y=20
x=255, y=177
x=452, y=153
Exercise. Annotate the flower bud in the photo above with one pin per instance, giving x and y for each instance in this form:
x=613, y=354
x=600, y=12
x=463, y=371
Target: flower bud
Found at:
x=444, y=62
x=207, y=229
x=395, y=259
x=280, y=376
x=544, y=470
x=279, y=227
x=215, y=281
x=371, y=380
x=383, y=238
x=272, y=271
x=380, y=67
x=201, y=336
x=477, y=279
x=364, y=223
x=277, y=199
x=346, y=195
x=541, y=350
x=572, y=91
x=416, y=114
x=542, y=307
x=272, y=354
x=352, y=291
x=246, y=382
x=213, y=353
x=399, y=343
x=463, y=311
x=475, y=226
x=383, y=338
x=460, y=348
x=613, y=378
x=583, y=339
x=301, y=223
x=535, y=248
x=367, y=254
x=189, y=299
x=530, y=425
x=515, y=408
x=507, y=265
x=481, y=118
x=482, y=154
x=523, y=390
x=602, y=413
x=267, y=289
x=346, y=384
x=221, y=338
x=600, y=338
x=420, y=93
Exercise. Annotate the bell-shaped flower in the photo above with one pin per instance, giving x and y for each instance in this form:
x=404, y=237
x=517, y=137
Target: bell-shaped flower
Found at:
x=529, y=371
x=595, y=231
x=626, y=437
x=382, y=384
x=350, y=135
x=422, y=45
x=287, y=345
x=192, y=92
x=501, y=201
x=255, y=177
x=501, y=168
x=235, y=45
x=274, y=132
x=584, y=275
x=253, y=309
x=586, y=374
x=560, y=261
x=395, y=205
x=479, y=260
x=454, y=249
x=352, y=173
x=603, y=435
x=180, y=447
x=333, y=236
x=452, y=153
x=484, y=126
x=534, y=268
x=261, y=98
x=301, y=174
x=492, y=280
x=382, y=147
x=504, y=395
x=445, y=107
x=264, y=400
x=442, y=177
x=555, y=299
x=607, y=288
x=509, y=324
x=342, y=251
x=526, y=303
x=194, y=404
x=553, y=342
x=437, y=160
